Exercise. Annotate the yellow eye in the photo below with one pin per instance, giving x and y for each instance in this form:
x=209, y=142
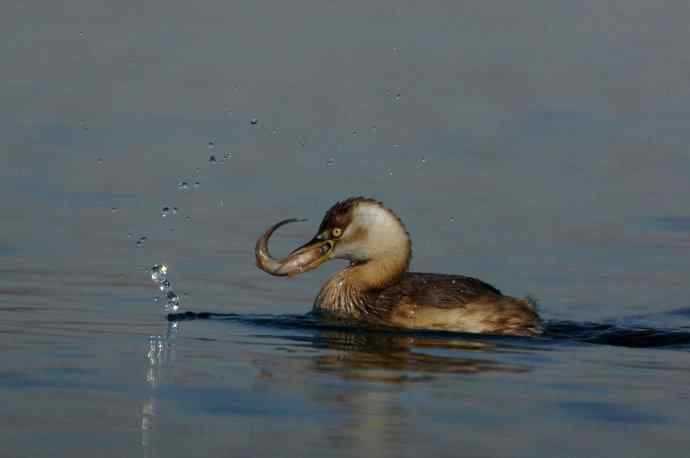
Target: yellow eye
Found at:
x=337, y=232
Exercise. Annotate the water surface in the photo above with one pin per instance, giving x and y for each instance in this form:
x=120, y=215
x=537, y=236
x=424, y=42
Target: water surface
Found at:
x=542, y=147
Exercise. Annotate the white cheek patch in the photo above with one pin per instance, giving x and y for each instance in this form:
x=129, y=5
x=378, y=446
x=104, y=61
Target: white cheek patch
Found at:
x=383, y=232
x=352, y=249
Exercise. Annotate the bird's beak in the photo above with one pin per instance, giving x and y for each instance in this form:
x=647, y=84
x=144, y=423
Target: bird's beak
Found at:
x=305, y=258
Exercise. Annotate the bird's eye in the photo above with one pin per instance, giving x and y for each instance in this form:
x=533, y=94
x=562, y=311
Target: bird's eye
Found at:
x=337, y=232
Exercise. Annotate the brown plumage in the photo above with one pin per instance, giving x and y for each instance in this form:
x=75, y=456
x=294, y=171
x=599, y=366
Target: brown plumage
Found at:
x=376, y=287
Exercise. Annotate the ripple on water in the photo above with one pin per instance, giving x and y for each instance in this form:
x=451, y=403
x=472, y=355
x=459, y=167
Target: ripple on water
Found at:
x=556, y=331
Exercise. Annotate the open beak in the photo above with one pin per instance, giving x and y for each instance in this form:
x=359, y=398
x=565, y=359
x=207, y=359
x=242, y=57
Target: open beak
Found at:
x=305, y=258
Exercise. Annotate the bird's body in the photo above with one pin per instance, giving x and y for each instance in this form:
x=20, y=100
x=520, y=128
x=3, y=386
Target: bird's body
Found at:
x=376, y=287
x=430, y=301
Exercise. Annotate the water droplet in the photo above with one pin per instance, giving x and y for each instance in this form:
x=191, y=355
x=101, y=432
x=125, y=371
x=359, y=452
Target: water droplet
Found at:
x=330, y=162
x=197, y=184
x=183, y=185
x=165, y=211
x=99, y=160
x=390, y=173
x=423, y=160
x=373, y=128
x=129, y=235
x=274, y=131
x=211, y=145
x=212, y=159
x=159, y=275
x=175, y=210
x=158, y=272
x=173, y=301
x=452, y=219
x=114, y=209
x=197, y=170
x=254, y=121
x=227, y=156
x=396, y=145
x=398, y=96
x=355, y=132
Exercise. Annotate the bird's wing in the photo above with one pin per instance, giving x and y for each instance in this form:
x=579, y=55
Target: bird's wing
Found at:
x=435, y=290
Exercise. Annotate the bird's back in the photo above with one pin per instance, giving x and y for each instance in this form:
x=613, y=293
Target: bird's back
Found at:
x=456, y=303
x=439, y=290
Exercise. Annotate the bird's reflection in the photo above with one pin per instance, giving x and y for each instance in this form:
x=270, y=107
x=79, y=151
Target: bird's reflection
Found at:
x=395, y=358
x=359, y=353
x=402, y=359
x=369, y=379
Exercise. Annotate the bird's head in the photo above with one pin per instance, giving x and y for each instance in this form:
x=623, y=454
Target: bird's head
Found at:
x=358, y=229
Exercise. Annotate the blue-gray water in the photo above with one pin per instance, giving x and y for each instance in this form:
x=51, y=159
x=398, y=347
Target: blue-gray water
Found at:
x=541, y=146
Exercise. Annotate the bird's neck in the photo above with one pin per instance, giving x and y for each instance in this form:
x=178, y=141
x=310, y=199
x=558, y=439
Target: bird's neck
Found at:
x=351, y=292
x=377, y=274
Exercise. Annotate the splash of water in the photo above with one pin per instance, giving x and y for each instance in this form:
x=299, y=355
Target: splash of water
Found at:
x=159, y=275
